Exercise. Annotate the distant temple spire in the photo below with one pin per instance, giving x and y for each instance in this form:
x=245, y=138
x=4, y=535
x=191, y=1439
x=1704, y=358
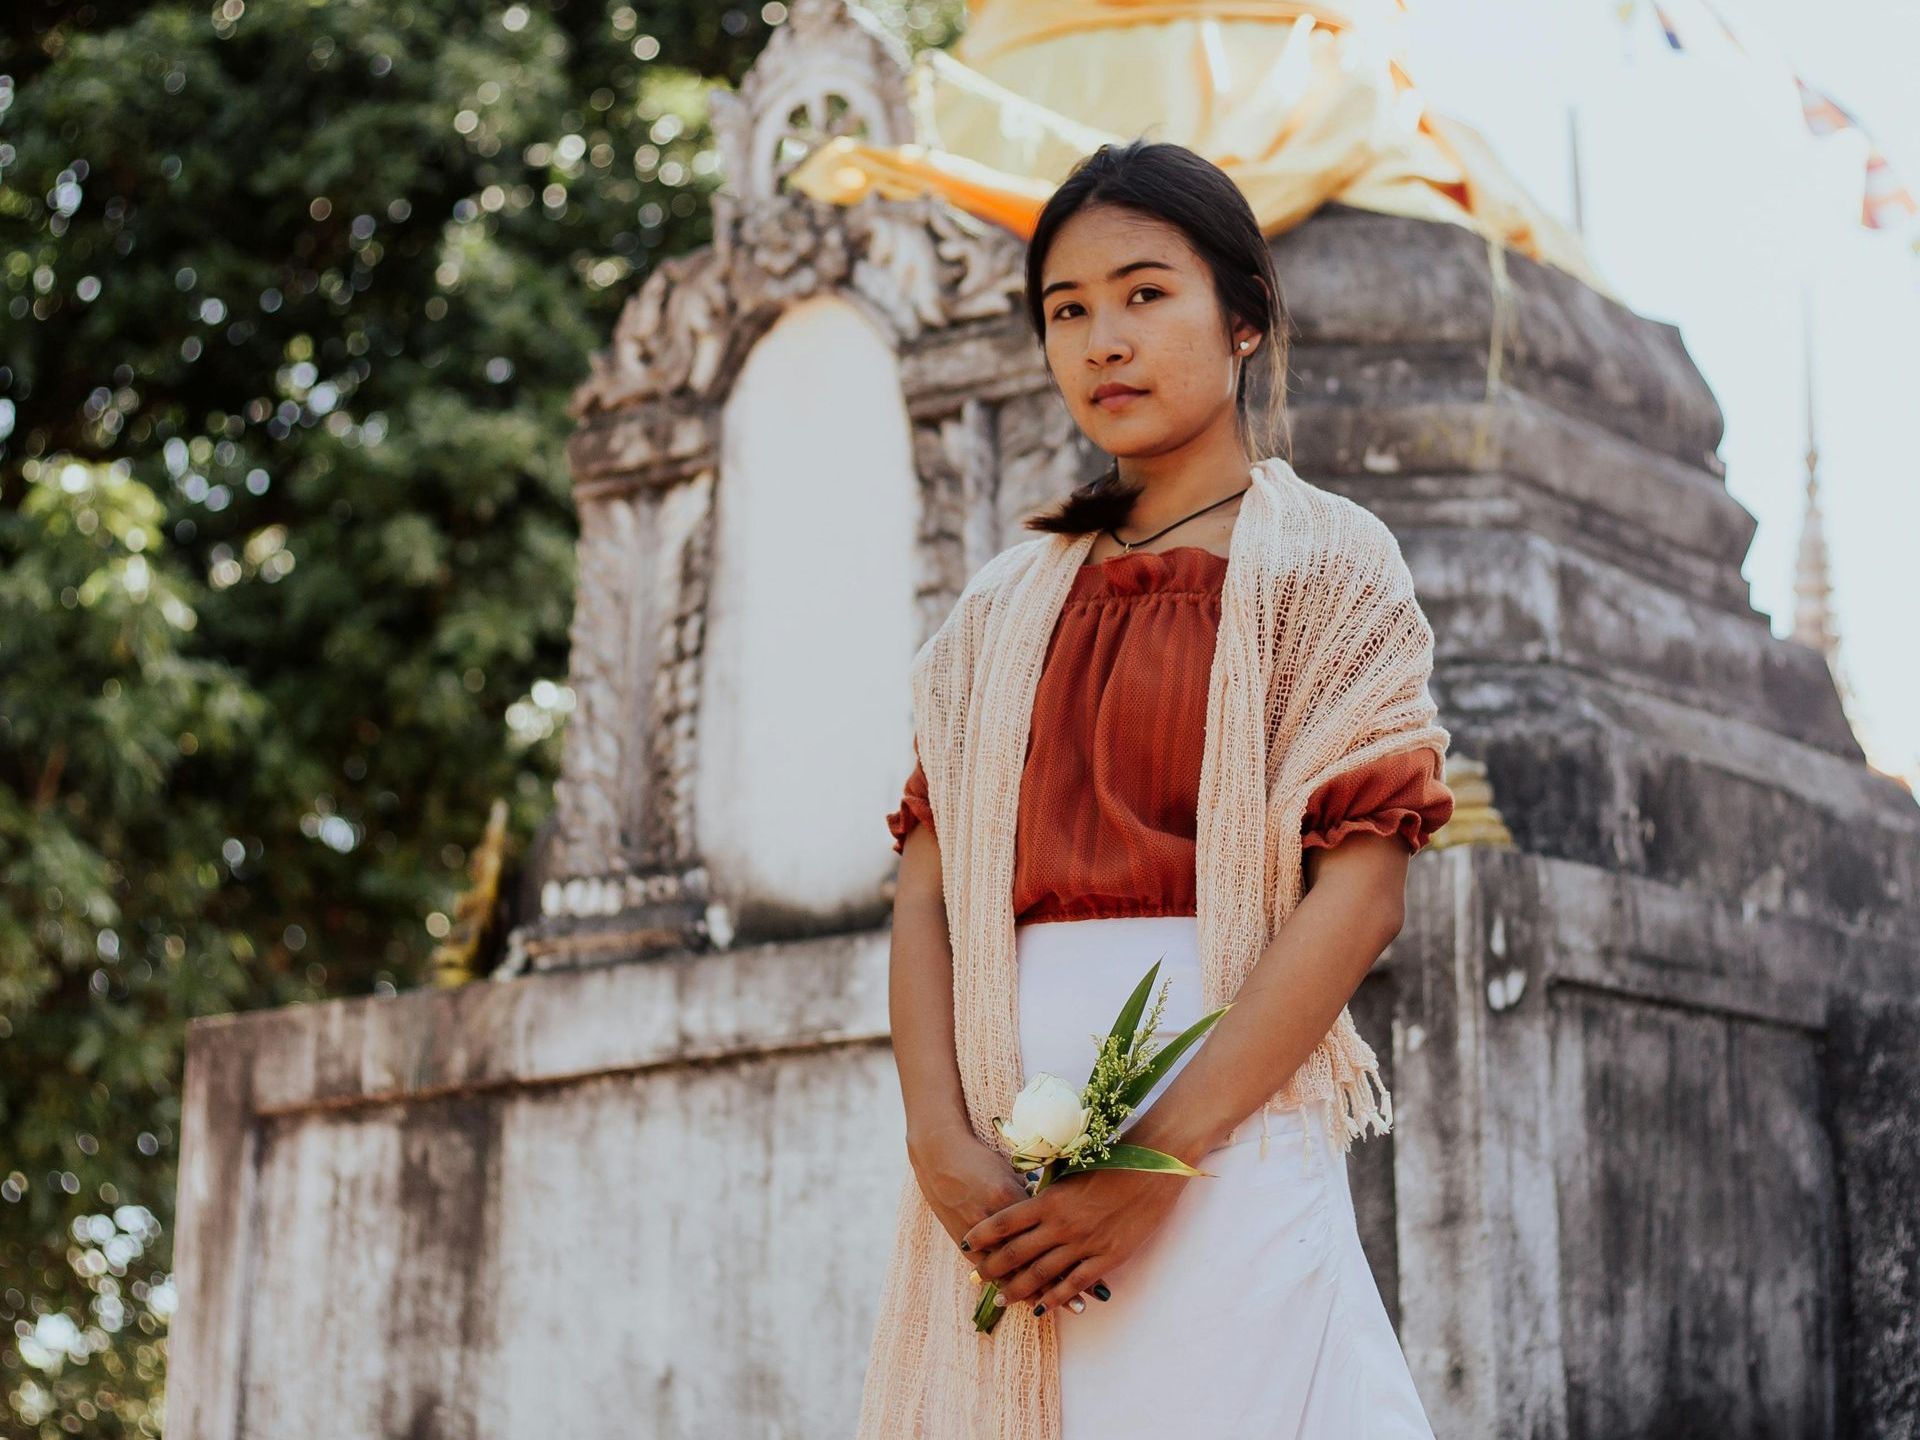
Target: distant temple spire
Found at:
x=1813, y=621
x=1812, y=580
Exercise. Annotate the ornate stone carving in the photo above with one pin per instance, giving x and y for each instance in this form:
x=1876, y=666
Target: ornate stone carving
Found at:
x=586, y=794
x=831, y=70
x=986, y=266
x=669, y=338
x=944, y=519
x=626, y=877
x=897, y=271
x=1043, y=455
x=972, y=446
x=914, y=265
x=671, y=724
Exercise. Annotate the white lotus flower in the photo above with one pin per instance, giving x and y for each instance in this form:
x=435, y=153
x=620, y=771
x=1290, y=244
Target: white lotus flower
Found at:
x=1048, y=1120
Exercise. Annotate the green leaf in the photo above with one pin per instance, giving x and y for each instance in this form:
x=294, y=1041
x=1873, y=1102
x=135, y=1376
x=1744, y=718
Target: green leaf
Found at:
x=1139, y=1157
x=1130, y=1013
x=1136, y=1090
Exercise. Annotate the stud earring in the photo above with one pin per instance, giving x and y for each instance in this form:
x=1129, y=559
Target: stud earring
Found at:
x=1243, y=344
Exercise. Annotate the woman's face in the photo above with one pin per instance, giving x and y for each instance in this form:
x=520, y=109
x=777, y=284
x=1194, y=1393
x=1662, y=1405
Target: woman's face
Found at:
x=1156, y=328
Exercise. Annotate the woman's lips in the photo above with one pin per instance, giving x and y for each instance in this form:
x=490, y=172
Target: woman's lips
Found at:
x=1120, y=400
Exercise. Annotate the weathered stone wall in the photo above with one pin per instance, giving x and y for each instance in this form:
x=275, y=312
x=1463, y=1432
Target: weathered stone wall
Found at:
x=621, y=1201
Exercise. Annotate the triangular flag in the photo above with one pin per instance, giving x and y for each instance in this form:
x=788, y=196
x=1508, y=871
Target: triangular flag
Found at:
x=1888, y=204
x=1666, y=24
x=1823, y=115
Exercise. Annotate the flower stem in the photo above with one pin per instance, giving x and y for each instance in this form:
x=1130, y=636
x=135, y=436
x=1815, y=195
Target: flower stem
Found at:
x=986, y=1314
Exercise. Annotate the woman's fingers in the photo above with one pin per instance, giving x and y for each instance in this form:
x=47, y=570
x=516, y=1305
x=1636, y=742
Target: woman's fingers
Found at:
x=1008, y=1264
x=1004, y=1225
x=1023, y=1281
x=1067, y=1287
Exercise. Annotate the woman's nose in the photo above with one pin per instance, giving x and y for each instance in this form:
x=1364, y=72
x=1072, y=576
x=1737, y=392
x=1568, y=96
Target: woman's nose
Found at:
x=1105, y=348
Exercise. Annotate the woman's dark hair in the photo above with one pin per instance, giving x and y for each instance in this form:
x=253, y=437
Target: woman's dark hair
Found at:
x=1174, y=184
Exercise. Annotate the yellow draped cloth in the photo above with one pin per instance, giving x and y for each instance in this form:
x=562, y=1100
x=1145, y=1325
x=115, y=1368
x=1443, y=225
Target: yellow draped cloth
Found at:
x=1300, y=103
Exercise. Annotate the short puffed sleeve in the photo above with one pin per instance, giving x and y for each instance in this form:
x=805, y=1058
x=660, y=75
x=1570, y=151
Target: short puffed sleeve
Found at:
x=915, y=808
x=1397, y=794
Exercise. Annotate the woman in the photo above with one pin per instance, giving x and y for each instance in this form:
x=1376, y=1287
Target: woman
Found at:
x=1188, y=623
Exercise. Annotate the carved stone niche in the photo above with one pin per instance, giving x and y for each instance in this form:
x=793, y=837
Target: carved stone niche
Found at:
x=687, y=792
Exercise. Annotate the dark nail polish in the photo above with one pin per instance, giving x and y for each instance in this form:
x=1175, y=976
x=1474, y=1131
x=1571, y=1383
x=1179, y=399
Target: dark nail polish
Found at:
x=965, y=1246
x=1102, y=1291
x=1040, y=1309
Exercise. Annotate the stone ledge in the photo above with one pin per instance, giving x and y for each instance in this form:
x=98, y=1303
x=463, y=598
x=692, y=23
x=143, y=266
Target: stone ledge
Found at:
x=1358, y=282
x=556, y=1027
x=1506, y=596
x=1559, y=922
x=1408, y=459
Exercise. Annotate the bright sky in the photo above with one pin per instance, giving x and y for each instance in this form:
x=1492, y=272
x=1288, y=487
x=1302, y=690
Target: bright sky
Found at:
x=1708, y=204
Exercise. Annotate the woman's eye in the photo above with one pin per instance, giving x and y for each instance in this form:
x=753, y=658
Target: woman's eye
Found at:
x=1061, y=313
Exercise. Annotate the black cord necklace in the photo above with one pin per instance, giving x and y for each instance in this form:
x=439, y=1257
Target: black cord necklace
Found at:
x=1128, y=545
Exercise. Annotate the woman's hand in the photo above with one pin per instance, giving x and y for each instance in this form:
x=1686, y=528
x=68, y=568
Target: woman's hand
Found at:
x=963, y=1178
x=1049, y=1247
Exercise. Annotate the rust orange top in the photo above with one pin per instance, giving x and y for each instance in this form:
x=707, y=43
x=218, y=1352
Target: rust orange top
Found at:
x=1110, y=786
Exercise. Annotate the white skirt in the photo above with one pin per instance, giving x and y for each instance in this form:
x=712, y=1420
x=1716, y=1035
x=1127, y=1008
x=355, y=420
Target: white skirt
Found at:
x=1251, y=1311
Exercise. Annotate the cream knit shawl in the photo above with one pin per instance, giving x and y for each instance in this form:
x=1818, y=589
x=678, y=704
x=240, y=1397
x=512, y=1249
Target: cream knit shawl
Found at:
x=1320, y=666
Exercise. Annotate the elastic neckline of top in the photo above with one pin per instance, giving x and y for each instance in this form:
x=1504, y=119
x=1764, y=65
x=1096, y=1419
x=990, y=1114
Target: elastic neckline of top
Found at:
x=1139, y=554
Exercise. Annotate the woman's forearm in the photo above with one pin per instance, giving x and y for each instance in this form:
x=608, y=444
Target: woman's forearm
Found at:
x=1288, y=1002
x=920, y=998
